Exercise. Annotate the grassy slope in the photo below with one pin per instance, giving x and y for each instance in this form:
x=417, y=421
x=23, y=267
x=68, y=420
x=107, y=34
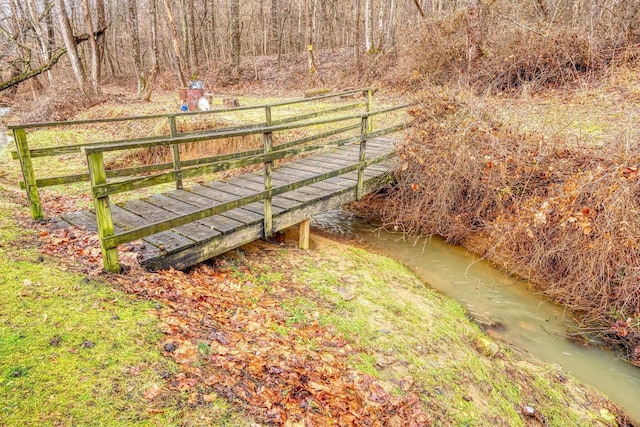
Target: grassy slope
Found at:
x=409, y=330
x=74, y=351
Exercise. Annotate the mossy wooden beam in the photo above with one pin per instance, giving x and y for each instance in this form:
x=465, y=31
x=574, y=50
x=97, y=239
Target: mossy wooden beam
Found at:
x=317, y=114
x=218, y=134
x=35, y=125
x=28, y=173
x=267, y=139
x=103, y=213
x=175, y=152
x=160, y=226
x=364, y=127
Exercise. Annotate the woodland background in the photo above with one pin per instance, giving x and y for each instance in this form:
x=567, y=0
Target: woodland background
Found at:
x=62, y=44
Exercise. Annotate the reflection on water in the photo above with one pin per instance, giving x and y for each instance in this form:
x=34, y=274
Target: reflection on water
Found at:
x=526, y=320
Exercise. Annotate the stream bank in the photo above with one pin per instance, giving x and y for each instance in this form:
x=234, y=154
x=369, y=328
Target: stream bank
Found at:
x=509, y=309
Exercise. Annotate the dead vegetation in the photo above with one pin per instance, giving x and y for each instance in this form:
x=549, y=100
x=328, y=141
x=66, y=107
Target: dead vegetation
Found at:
x=522, y=49
x=564, y=216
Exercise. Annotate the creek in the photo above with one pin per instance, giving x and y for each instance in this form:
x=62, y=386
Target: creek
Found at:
x=515, y=312
x=3, y=133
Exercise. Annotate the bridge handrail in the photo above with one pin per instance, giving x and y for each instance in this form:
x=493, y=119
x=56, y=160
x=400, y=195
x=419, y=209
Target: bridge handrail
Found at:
x=35, y=125
x=101, y=189
x=31, y=184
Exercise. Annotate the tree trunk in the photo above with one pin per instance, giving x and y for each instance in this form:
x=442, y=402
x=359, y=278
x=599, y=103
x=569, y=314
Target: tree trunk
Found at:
x=193, y=36
x=69, y=42
x=101, y=18
x=391, y=25
x=93, y=49
x=41, y=36
x=368, y=26
x=179, y=61
x=134, y=34
x=153, y=13
x=474, y=33
x=358, y=35
x=186, y=34
x=274, y=33
x=235, y=38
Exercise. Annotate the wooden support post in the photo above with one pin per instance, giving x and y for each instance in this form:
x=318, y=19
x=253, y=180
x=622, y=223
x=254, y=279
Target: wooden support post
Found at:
x=363, y=149
x=267, y=139
x=175, y=150
x=104, y=219
x=28, y=174
x=304, y=234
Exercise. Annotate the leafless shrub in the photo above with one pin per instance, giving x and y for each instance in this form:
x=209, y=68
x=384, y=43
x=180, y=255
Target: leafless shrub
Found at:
x=55, y=106
x=521, y=47
x=565, y=217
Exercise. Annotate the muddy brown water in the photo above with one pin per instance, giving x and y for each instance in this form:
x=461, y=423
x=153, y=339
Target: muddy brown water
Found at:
x=3, y=133
x=522, y=318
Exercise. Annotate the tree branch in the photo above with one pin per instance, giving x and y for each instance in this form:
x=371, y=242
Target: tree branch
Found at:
x=29, y=73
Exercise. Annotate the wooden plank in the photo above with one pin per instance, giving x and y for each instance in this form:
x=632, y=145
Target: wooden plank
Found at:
x=167, y=241
x=196, y=254
x=83, y=219
x=244, y=214
x=249, y=187
x=221, y=223
x=289, y=176
x=311, y=190
x=159, y=226
x=292, y=175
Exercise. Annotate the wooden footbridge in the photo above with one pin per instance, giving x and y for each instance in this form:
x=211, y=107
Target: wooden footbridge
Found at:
x=193, y=208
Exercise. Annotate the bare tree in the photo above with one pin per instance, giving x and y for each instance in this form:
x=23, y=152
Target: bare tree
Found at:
x=93, y=48
x=134, y=33
x=179, y=61
x=474, y=33
x=368, y=26
x=234, y=23
x=153, y=13
x=70, y=44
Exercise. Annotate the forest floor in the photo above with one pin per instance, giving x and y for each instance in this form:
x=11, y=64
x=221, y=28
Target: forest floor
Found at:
x=266, y=334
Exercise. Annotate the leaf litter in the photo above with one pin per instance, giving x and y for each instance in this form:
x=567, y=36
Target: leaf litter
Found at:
x=225, y=332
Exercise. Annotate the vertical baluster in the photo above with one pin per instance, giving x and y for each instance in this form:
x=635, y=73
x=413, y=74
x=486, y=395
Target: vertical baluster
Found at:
x=175, y=151
x=363, y=147
x=104, y=219
x=267, y=139
x=28, y=174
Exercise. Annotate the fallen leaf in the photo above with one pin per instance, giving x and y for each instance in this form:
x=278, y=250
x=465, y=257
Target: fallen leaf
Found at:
x=152, y=392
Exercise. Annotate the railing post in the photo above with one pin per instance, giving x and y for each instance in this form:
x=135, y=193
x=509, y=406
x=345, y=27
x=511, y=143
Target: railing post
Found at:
x=267, y=139
x=175, y=151
x=104, y=220
x=28, y=174
x=369, y=95
x=363, y=147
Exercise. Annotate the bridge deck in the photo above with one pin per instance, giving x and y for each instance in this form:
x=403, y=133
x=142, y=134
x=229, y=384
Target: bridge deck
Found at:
x=189, y=244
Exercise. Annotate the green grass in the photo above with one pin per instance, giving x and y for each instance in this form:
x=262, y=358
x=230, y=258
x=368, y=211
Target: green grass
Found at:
x=403, y=328
x=74, y=351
